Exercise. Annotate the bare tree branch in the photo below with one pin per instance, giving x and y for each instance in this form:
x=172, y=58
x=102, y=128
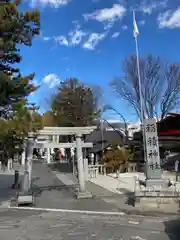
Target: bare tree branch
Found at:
x=160, y=86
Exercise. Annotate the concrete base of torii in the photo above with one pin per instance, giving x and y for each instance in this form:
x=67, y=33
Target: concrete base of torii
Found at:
x=25, y=199
x=83, y=195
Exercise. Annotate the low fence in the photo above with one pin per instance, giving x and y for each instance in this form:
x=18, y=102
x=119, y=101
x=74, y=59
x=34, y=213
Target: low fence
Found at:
x=95, y=170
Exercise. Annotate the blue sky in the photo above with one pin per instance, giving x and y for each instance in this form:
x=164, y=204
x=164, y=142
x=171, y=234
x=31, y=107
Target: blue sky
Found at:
x=88, y=39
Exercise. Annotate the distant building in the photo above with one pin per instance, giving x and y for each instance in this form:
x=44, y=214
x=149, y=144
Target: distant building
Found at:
x=109, y=131
x=112, y=125
x=132, y=128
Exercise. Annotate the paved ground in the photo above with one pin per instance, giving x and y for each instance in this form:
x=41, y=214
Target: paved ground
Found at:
x=52, y=193
x=126, y=181
x=121, y=203
x=45, y=225
x=34, y=225
x=50, y=196
x=6, y=181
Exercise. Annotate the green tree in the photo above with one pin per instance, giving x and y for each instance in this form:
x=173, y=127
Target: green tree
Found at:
x=48, y=119
x=13, y=90
x=16, y=28
x=13, y=131
x=75, y=104
x=117, y=158
x=16, y=117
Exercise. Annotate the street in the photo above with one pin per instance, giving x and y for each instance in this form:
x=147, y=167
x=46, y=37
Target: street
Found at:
x=46, y=222
x=41, y=225
x=52, y=193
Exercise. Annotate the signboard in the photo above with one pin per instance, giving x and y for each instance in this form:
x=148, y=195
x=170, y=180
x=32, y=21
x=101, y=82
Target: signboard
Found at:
x=152, y=150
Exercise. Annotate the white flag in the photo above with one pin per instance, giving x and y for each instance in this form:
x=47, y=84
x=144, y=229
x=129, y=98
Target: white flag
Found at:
x=135, y=27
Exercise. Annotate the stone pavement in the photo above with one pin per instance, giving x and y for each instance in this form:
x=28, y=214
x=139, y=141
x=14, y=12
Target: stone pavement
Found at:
x=56, y=190
x=120, y=202
x=53, y=193
x=6, y=181
x=125, y=181
x=117, y=192
x=104, y=198
x=34, y=225
x=112, y=184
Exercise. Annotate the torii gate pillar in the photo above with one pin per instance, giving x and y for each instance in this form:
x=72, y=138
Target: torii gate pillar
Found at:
x=81, y=174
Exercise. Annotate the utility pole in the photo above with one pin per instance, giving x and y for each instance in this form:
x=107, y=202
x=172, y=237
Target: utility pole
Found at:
x=108, y=107
x=102, y=138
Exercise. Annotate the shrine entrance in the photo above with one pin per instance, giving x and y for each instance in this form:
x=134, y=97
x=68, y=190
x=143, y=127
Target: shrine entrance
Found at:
x=52, y=136
x=62, y=156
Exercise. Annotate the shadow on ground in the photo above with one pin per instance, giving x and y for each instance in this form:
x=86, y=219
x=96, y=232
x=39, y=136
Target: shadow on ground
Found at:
x=61, y=167
x=37, y=190
x=39, y=186
x=172, y=229
x=6, y=191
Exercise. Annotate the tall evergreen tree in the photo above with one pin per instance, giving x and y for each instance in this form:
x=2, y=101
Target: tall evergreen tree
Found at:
x=16, y=120
x=75, y=104
x=16, y=28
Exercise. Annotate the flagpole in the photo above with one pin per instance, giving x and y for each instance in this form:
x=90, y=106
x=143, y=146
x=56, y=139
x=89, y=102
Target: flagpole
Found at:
x=139, y=83
x=140, y=89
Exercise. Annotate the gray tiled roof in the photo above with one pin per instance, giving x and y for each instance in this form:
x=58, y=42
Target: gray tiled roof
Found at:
x=107, y=137
x=98, y=135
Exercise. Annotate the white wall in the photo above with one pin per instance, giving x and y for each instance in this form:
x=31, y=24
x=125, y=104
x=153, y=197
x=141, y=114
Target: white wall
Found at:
x=133, y=127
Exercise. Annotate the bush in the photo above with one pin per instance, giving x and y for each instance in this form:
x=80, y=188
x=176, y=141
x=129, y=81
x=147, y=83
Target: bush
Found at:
x=117, y=159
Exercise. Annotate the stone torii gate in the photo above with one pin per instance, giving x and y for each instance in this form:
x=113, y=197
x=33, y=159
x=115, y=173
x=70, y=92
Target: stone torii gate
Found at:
x=59, y=131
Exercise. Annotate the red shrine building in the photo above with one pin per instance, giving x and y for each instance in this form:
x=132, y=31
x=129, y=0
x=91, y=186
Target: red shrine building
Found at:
x=169, y=131
x=170, y=126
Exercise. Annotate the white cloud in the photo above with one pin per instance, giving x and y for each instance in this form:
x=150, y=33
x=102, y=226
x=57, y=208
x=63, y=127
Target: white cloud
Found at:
x=108, y=25
x=43, y=37
x=124, y=27
x=46, y=38
x=169, y=19
x=53, y=3
x=107, y=15
x=93, y=40
x=148, y=8
x=141, y=23
x=62, y=40
x=76, y=37
x=115, y=35
x=51, y=80
x=35, y=82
